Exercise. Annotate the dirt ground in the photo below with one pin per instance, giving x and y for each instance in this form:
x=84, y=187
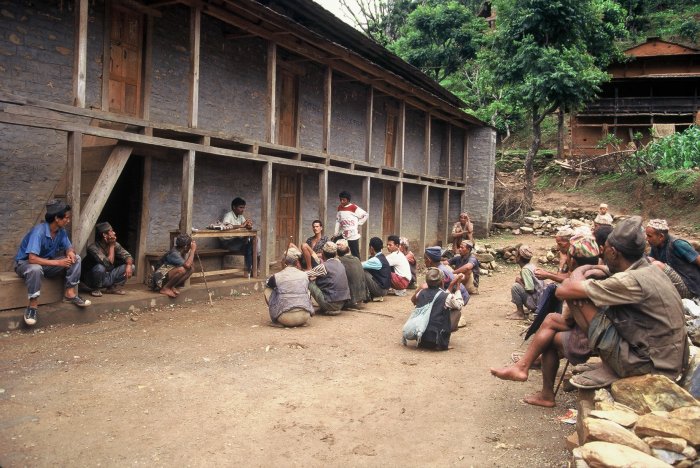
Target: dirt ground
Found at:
x=205, y=386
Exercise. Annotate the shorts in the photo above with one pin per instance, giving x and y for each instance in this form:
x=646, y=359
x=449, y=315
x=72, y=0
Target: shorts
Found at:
x=612, y=349
x=575, y=344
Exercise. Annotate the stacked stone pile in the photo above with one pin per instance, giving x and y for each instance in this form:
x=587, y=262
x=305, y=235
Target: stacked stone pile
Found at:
x=642, y=421
x=547, y=223
x=487, y=258
x=507, y=254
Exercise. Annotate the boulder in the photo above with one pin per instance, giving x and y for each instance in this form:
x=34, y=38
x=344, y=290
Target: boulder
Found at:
x=687, y=412
x=690, y=452
x=529, y=220
x=485, y=258
x=691, y=379
x=516, y=232
x=667, y=456
x=526, y=229
x=652, y=425
x=608, y=431
x=605, y=454
x=674, y=444
x=646, y=393
x=623, y=418
x=535, y=213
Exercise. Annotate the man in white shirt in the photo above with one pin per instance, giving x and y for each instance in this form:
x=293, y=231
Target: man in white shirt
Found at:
x=348, y=221
x=237, y=244
x=400, y=268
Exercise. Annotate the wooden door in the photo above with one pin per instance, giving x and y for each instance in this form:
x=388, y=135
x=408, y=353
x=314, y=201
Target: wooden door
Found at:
x=389, y=210
x=126, y=38
x=287, y=211
x=287, y=125
x=390, y=140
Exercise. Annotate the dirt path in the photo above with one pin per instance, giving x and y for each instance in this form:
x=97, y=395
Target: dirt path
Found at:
x=207, y=386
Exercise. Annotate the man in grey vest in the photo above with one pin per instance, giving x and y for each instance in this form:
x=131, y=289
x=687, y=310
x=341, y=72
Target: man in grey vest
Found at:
x=355, y=274
x=331, y=290
x=287, y=294
x=677, y=253
x=634, y=318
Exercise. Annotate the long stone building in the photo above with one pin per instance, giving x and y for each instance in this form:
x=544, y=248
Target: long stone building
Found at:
x=154, y=114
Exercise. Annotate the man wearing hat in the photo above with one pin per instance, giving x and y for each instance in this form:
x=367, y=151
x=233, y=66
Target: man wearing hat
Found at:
x=677, y=253
x=634, y=318
x=467, y=264
x=355, y=273
x=331, y=290
x=46, y=251
x=433, y=258
x=287, y=293
x=527, y=288
x=108, y=264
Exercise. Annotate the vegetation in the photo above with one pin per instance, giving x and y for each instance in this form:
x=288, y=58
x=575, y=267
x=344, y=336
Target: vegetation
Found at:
x=676, y=151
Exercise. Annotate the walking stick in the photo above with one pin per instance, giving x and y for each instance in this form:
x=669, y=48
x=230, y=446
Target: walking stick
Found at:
x=561, y=379
x=206, y=285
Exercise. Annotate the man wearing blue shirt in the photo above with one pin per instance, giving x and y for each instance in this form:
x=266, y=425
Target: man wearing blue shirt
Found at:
x=46, y=251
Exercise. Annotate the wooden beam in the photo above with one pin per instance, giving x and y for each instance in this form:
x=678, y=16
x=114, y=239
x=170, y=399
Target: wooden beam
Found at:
x=106, y=54
x=187, y=191
x=327, y=98
x=401, y=143
x=195, y=42
x=73, y=181
x=370, y=119
x=266, y=224
x=423, y=220
x=445, y=216
x=80, y=53
x=144, y=222
x=141, y=8
x=100, y=193
x=147, y=70
x=364, y=250
x=271, y=92
x=426, y=148
x=465, y=177
x=237, y=36
x=323, y=197
x=398, y=208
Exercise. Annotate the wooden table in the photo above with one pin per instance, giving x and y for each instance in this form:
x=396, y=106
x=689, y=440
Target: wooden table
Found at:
x=209, y=233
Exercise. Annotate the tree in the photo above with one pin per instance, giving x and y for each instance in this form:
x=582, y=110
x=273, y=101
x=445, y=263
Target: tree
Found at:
x=543, y=55
x=381, y=20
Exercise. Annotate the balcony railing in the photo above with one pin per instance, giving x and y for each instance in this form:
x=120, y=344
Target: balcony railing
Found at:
x=643, y=106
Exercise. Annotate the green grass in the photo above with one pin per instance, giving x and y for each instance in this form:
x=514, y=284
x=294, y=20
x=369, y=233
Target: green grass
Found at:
x=679, y=179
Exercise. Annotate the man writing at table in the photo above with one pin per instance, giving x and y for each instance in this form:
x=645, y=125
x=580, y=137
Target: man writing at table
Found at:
x=236, y=244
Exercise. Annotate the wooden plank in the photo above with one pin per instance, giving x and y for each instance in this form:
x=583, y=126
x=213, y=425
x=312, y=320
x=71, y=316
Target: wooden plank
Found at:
x=402, y=135
x=141, y=8
x=364, y=245
x=327, y=98
x=195, y=40
x=80, y=55
x=100, y=192
x=370, y=121
x=465, y=177
x=427, y=142
x=147, y=70
x=449, y=150
x=144, y=222
x=106, y=54
x=187, y=191
x=398, y=208
x=266, y=226
x=423, y=220
x=73, y=180
x=445, y=216
x=271, y=109
x=323, y=198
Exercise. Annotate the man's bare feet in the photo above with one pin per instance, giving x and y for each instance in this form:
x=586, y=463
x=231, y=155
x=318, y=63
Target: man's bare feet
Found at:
x=510, y=373
x=176, y=291
x=538, y=399
x=168, y=292
x=516, y=316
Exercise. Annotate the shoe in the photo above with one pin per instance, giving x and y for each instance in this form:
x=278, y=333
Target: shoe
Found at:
x=30, y=316
x=77, y=300
x=600, y=377
x=378, y=299
x=96, y=293
x=400, y=292
x=117, y=291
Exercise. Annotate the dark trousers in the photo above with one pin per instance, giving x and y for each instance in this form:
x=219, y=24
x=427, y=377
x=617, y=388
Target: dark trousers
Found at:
x=99, y=277
x=354, y=247
x=242, y=244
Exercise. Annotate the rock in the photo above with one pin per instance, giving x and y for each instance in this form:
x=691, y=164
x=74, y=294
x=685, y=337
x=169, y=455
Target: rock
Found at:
x=691, y=380
x=687, y=413
x=667, y=456
x=550, y=255
x=608, y=431
x=674, y=444
x=535, y=213
x=576, y=223
x=506, y=225
x=603, y=394
x=605, y=454
x=526, y=229
x=485, y=258
x=516, y=232
x=653, y=425
x=690, y=452
x=684, y=464
x=579, y=462
x=571, y=441
x=529, y=220
x=646, y=393
x=623, y=418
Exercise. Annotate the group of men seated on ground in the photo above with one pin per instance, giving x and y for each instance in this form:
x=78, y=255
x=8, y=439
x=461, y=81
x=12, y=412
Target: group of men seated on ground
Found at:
x=618, y=303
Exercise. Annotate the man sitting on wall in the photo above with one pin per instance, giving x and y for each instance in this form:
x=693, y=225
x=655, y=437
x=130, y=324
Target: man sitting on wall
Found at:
x=677, y=253
x=331, y=290
x=45, y=252
x=236, y=244
x=400, y=268
x=287, y=294
x=355, y=274
x=108, y=264
x=377, y=271
x=467, y=264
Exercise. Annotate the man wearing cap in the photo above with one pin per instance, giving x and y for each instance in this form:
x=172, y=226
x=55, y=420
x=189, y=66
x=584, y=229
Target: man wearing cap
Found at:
x=377, y=271
x=331, y=290
x=462, y=230
x=467, y=264
x=400, y=268
x=46, y=251
x=287, y=294
x=175, y=267
x=445, y=312
x=433, y=258
x=677, y=253
x=355, y=273
x=348, y=220
x=108, y=264
x=634, y=318
x=527, y=288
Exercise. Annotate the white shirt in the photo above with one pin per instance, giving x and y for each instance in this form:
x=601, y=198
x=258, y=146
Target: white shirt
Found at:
x=399, y=264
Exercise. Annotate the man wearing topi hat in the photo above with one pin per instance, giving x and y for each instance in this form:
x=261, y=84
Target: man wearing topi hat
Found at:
x=108, y=264
x=677, y=253
x=287, y=293
x=527, y=288
x=46, y=251
x=331, y=290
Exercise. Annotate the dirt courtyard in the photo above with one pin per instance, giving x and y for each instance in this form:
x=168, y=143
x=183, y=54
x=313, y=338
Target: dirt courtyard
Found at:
x=214, y=386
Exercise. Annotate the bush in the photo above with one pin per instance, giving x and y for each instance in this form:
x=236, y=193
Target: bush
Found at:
x=677, y=151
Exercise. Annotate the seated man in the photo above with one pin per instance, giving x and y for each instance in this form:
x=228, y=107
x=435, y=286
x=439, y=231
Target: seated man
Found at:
x=400, y=268
x=462, y=230
x=355, y=274
x=445, y=312
x=633, y=319
x=377, y=271
x=433, y=258
x=331, y=290
x=236, y=244
x=46, y=251
x=466, y=264
x=108, y=264
x=677, y=253
x=175, y=267
x=287, y=294
x=527, y=288
x=557, y=336
x=405, y=248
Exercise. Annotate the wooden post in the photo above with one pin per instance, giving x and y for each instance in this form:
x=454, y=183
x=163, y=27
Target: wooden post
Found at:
x=449, y=150
x=271, y=110
x=426, y=150
x=266, y=234
x=187, y=191
x=73, y=182
x=147, y=70
x=195, y=38
x=446, y=217
x=144, y=221
x=398, y=208
x=465, y=175
x=106, y=54
x=370, y=118
x=424, y=220
x=327, y=103
x=323, y=199
x=364, y=230
x=402, y=135
x=80, y=54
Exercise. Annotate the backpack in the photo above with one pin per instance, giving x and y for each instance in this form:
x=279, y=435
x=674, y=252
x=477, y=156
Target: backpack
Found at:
x=417, y=322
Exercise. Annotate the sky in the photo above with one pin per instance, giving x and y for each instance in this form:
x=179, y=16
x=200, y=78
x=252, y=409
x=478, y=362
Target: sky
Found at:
x=334, y=7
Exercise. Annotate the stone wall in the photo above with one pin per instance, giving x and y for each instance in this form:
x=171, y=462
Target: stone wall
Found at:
x=348, y=119
x=480, y=182
x=415, y=141
x=311, y=108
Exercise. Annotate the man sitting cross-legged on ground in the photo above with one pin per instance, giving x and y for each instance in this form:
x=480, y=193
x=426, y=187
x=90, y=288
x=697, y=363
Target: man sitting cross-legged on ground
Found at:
x=287, y=294
x=445, y=312
x=355, y=273
x=557, y=336
x=527, y=288
x=330, y=290
x=108, y=264
x=405, y=249
x=433, y=258
x=400, y=268
x=175, y=267
x=377, y=271
x=467, y=264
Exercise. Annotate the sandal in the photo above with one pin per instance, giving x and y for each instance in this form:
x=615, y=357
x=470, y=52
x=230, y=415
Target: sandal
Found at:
x=96, y=293
x=77, y=301
x=585, y=367
x=600, y=377
x=119, y=292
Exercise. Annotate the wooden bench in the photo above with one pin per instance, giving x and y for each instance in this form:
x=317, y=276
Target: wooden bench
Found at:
x=13, y=291
x=152, y=259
